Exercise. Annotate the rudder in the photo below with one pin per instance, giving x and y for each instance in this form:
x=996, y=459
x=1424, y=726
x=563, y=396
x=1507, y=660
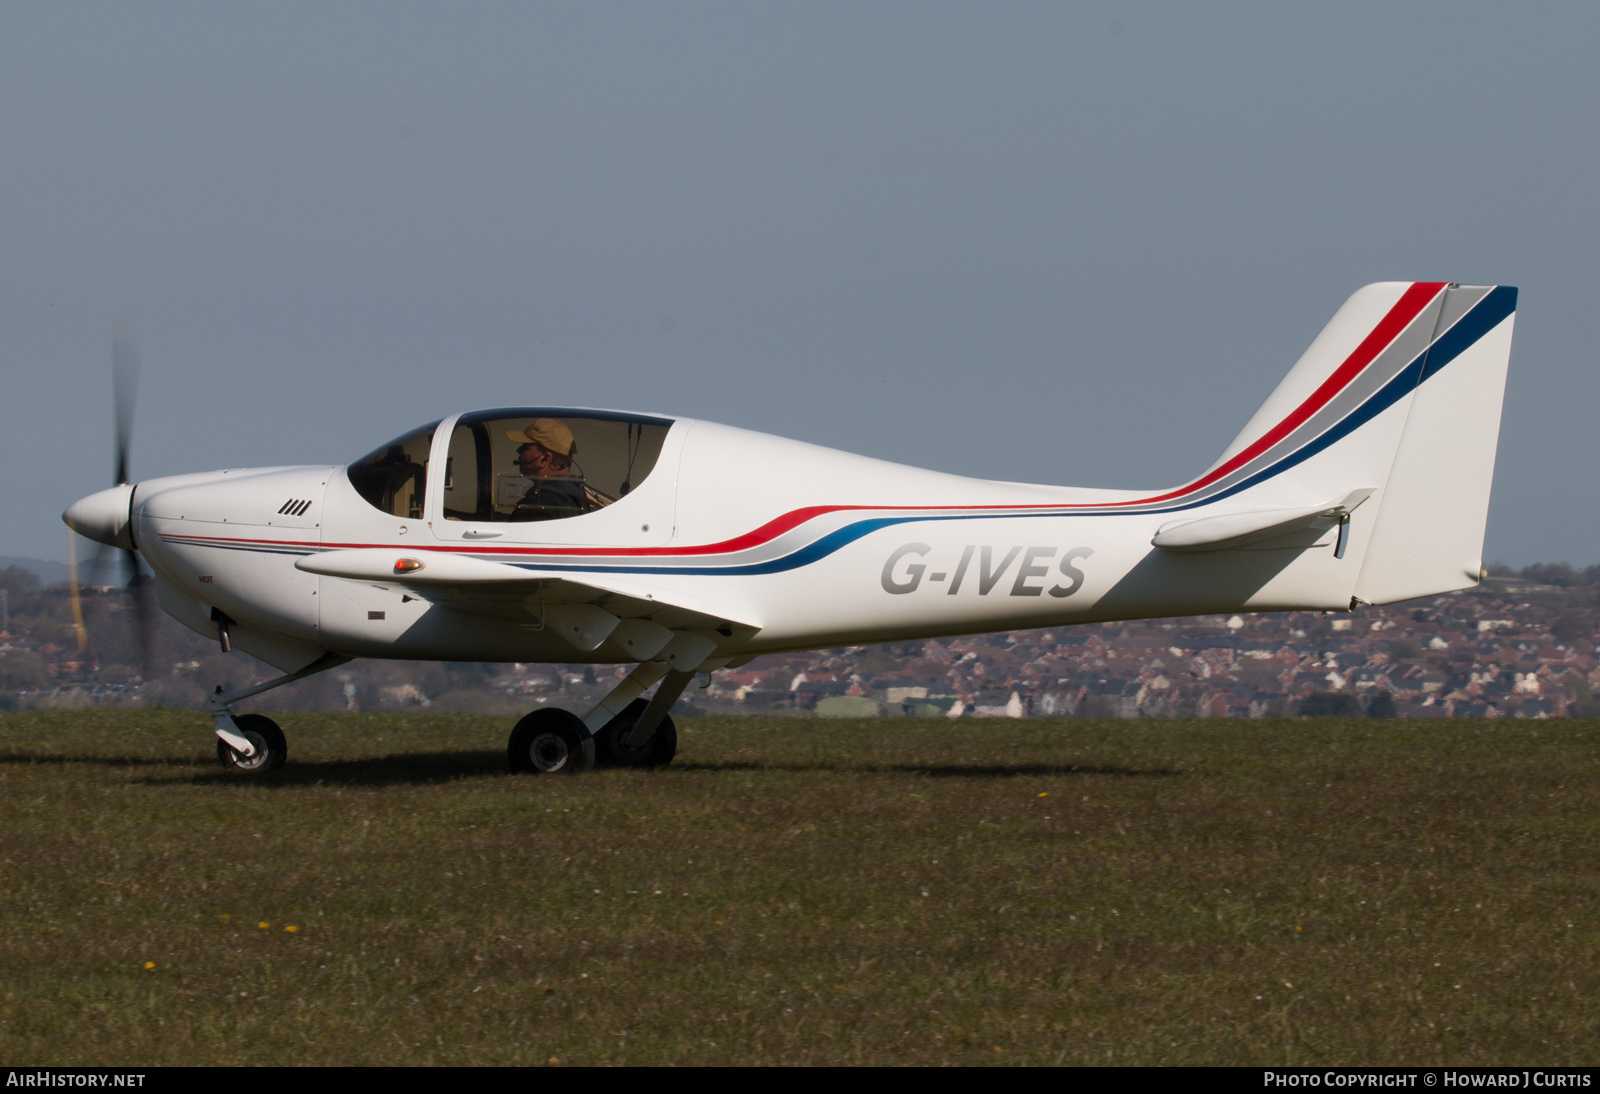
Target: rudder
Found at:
x=1428, y=534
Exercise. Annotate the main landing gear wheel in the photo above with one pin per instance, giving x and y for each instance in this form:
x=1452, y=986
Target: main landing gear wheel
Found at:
x=548, y=741
x=656, y=750
x=263, y=733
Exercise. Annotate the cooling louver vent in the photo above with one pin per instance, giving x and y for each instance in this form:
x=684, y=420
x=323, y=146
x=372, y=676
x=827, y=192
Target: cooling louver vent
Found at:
x=294, y=508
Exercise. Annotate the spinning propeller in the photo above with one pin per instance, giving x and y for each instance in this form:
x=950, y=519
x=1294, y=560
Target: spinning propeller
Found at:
x=106, y=517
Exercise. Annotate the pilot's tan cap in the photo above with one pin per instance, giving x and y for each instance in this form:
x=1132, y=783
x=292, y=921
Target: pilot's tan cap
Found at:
x=549, y=433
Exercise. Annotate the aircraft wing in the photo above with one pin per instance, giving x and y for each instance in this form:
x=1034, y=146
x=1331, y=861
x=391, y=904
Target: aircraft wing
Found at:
x=1257, y=527
x=644, y=620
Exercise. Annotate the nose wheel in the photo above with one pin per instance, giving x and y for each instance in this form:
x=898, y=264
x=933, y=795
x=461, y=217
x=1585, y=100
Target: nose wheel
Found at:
x=550, y=741
x=252, y=743
x=271, y=748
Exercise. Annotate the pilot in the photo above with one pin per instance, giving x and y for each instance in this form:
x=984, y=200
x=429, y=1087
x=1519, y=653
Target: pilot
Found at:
x=545, y=455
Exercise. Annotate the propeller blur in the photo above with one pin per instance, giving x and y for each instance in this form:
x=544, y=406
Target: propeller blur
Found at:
x=105, y=517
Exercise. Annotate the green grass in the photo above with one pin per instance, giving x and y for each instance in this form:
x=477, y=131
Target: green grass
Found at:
x=803, y=891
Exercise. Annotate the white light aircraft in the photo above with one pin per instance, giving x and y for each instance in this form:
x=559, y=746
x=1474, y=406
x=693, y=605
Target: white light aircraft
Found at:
x=544, y=534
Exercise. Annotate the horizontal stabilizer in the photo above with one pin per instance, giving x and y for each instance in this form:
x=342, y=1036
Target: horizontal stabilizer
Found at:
x=1229, y=530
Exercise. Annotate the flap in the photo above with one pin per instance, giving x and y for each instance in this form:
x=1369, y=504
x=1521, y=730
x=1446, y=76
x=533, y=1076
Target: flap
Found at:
x=1226, y=530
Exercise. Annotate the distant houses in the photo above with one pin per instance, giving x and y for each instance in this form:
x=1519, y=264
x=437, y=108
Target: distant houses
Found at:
x=1514, y=647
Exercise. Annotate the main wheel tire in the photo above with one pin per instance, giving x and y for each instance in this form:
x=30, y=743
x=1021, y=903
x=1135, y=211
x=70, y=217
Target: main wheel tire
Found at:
x=272, y=749
x=656, y=751
x=549, y=741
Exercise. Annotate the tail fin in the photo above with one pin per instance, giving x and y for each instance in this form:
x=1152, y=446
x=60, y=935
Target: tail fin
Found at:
x=1400, y=395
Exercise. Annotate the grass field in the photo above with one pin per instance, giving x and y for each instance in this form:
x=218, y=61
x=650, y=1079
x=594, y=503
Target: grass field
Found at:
x=803, y=891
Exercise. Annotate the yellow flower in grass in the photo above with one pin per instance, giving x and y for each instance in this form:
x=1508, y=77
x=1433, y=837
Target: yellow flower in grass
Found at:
x=263, y=924
x=148, y=965
x=292, y=929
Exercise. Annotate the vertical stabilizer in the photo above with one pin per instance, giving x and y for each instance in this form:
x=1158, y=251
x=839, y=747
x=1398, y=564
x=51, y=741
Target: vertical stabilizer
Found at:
x=1396, y=402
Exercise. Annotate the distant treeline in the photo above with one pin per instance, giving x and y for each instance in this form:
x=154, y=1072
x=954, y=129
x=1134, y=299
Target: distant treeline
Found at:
x=1550, y=573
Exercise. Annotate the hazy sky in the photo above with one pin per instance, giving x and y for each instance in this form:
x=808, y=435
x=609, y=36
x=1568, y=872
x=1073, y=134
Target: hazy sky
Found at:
x=1058, y=243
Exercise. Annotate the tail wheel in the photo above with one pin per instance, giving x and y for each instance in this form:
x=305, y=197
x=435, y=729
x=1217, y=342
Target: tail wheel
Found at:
x=549, y=741
x=271, y=748
x=657, y=750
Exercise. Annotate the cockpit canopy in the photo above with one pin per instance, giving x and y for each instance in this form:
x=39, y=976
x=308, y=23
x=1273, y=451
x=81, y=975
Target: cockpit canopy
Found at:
x=517, y=464
x=394, y=477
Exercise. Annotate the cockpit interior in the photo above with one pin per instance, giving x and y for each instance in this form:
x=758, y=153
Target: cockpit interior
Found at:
x=516, y=464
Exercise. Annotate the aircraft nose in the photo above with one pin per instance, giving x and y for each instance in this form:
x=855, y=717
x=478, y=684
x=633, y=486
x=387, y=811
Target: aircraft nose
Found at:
x=104, y=517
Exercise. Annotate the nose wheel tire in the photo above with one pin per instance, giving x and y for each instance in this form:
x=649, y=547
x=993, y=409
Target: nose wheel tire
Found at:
x=271, y=749
x=657, y=750
x=550, y=741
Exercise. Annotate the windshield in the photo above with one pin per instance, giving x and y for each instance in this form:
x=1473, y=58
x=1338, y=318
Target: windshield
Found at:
x=534, y=463
x=394, y=477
